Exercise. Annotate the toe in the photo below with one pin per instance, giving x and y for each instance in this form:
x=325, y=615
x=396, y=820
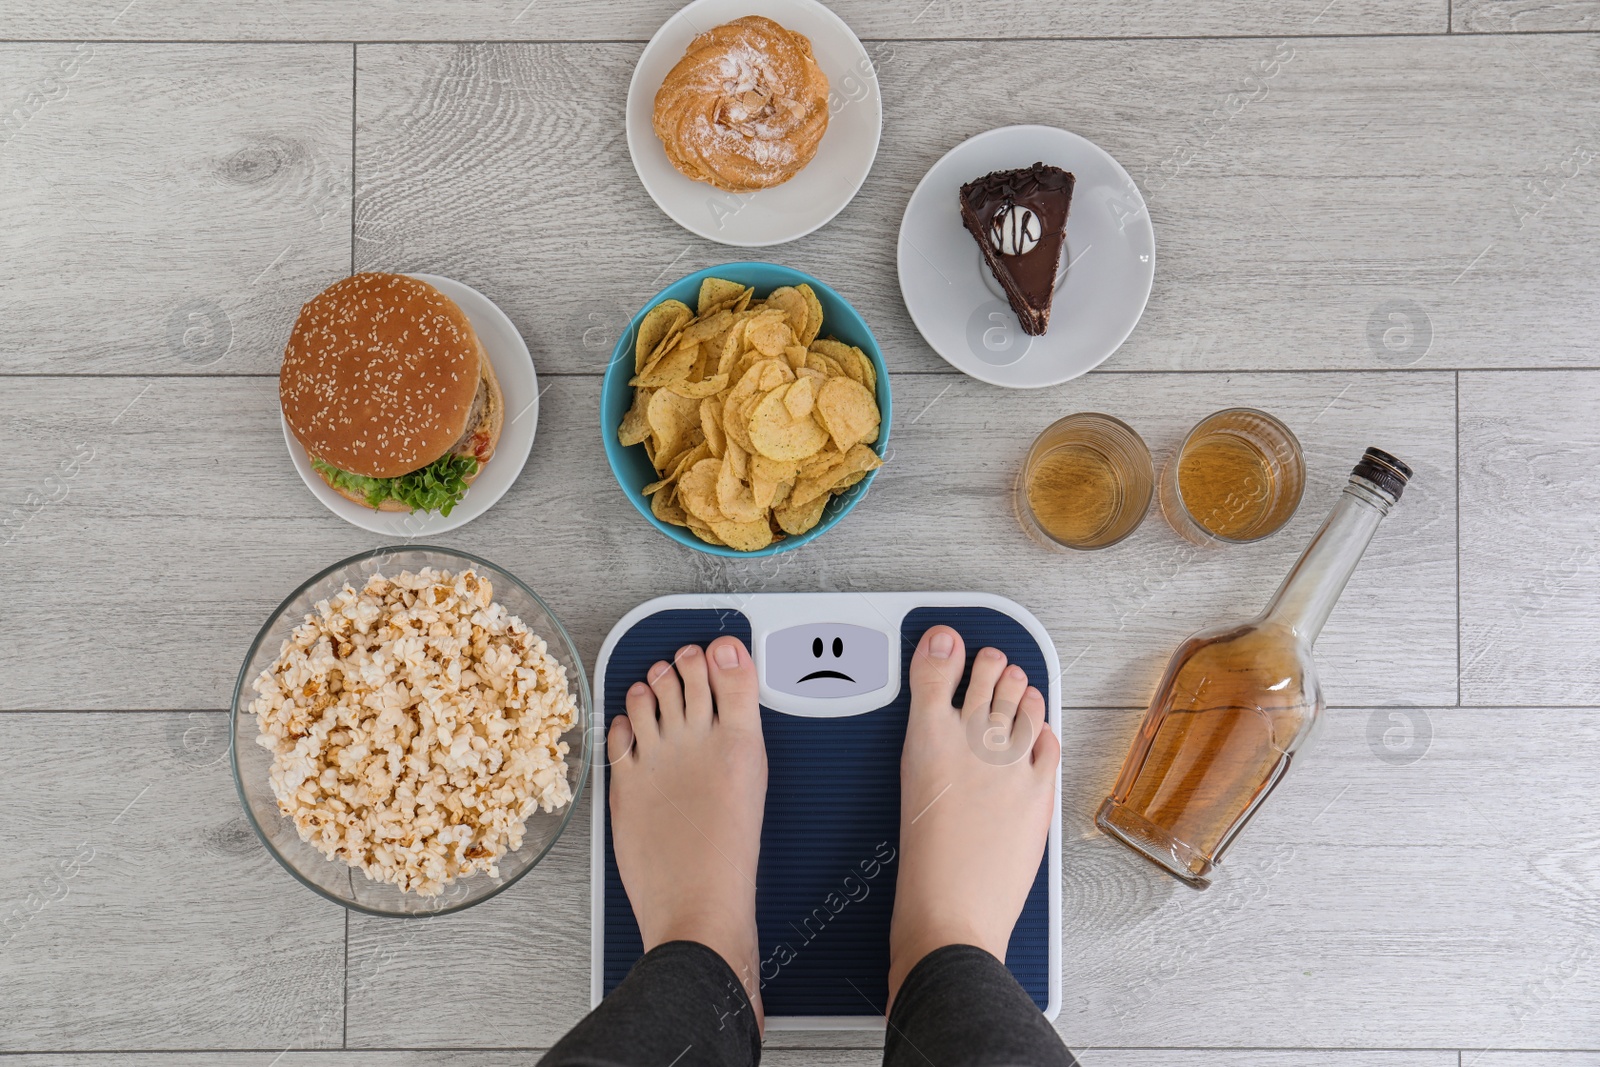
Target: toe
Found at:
x=619, y=740
x=986, y=671
x=1008, y=694
x=669, y=696
x=1046, y=751
x=642, y=726
x=936, y=668
x=733, y=680
x=691, y=664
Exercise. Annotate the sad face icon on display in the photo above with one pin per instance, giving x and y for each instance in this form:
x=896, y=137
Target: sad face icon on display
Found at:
x=827, y=660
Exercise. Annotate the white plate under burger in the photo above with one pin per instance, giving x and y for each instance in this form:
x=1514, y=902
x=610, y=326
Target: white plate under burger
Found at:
x=513, y=367
x=1102, y=283
x=812, y=197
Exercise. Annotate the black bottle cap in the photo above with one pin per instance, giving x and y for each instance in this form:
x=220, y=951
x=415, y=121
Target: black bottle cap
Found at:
x=1383, y=471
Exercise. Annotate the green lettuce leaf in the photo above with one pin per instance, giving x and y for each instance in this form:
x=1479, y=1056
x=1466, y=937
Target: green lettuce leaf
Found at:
x=437, y=487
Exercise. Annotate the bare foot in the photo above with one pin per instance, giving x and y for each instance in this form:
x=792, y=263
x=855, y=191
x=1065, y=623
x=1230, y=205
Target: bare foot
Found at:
x=977, y=789
x=688, y=785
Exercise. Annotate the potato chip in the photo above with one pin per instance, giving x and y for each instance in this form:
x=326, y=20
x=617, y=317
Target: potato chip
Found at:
x=769, y=333
x=813, y=314
x=800, y=397
x=661, y=321
x=821, y=463
x=869, y=373
x=669, y=367
x=798, y=519
x=715, y=293
x=735, y=428
x=697, y=372
x=672, y=419
x=635, y=427
x=788, y=300
x=704, y=532
x=774, y=372
x=767, y=475
x=751, y=423
x=707, y=328
x=832, y=478
x=696, y=390
x=837, y=351
x=697, y=490
x=734, y=494
x=744, y=536
x=827, y=366
x=781, y=497
x=711, y=425
x=847, y=411
x=667, y=509
x=686, y=459
x=779, y=435
x=732, y=347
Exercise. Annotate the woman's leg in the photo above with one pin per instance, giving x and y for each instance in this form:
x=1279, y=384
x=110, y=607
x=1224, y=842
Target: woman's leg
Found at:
x=681, y=1004
x=977, y=792
x=688, y=776
x=960, y=1007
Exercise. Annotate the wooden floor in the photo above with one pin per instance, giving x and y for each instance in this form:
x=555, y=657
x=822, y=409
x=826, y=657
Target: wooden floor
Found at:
x=1394, y=240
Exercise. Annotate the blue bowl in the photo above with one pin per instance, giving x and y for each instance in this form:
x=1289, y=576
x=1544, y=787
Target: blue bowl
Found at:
x=632, y=467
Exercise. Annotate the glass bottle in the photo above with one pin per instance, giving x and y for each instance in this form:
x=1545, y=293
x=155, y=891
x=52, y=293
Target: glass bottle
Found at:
x=1237, y=701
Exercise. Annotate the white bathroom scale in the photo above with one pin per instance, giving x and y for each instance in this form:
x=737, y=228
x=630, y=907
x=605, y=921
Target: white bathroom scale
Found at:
x=834, y=698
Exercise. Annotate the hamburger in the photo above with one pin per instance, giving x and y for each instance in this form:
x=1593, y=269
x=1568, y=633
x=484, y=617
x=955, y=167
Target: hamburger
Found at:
x=391, y=393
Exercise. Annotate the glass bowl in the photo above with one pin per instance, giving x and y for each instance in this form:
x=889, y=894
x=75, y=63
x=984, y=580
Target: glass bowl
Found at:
x=333, y=878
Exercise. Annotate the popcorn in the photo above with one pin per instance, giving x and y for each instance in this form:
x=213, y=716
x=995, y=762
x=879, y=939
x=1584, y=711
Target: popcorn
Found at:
x=414, y=726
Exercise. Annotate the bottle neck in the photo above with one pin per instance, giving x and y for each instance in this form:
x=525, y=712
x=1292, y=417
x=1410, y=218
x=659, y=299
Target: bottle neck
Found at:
x=1307, y=596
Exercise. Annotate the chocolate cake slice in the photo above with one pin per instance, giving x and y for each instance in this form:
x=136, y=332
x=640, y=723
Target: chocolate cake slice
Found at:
x=1019, y=219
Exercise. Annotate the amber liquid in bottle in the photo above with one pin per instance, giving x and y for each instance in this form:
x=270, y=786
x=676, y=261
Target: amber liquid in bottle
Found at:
x=1237, y=701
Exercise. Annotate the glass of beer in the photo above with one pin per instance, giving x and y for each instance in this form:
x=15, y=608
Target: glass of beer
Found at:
x=1087, y=483
x=1237, y=477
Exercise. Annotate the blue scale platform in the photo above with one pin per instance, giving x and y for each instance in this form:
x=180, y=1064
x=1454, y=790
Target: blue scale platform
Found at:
x=830, y=839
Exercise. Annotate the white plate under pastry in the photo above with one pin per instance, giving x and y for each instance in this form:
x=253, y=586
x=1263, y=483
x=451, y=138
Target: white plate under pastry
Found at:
x=812, y=197
x=1104, y=280
x=513, y=367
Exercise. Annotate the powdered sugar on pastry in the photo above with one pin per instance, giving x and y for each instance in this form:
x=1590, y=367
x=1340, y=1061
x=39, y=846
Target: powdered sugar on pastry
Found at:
x=745, y=108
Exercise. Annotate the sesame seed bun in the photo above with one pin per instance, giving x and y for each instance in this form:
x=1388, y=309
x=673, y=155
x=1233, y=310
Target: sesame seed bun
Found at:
x=479, y=440
x=381, y=375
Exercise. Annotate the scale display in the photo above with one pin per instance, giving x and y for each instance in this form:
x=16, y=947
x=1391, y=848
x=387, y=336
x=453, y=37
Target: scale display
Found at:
x=835, y=695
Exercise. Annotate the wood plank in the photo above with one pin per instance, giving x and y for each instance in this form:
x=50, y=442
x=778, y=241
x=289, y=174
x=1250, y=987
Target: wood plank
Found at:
x=485, y=1058
x=180, y=556
x=1493, y=1058
x=1530, y=553
x=1422, y=894
x=168, y=207
x=1277, y=1057
x=1311, y=227
x=294, y=1058
x=1524, y=16
x=139, y=909
x=491, y=20
x=425, y=982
